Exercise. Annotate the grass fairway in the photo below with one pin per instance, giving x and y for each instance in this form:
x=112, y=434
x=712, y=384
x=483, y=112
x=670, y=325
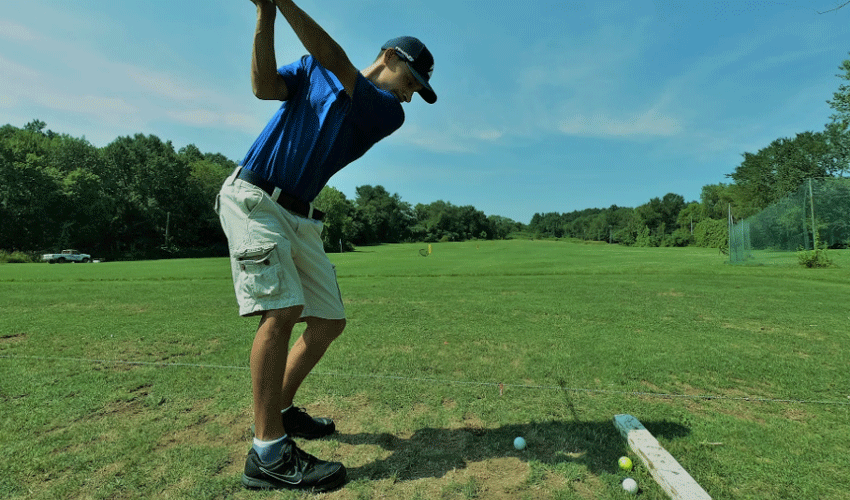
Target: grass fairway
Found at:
x=130, y=380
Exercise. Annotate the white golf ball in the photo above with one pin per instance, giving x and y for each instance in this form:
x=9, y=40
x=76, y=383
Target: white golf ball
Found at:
x=630, y=485
x=519, y=443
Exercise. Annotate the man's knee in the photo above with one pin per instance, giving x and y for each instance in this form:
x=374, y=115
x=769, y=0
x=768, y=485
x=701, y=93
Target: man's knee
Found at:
x=327, y=329
x=334, y=327
x=338, y=326
x=280, y=321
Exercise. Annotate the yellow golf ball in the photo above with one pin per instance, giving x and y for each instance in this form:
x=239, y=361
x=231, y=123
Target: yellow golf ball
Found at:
x=625, y=463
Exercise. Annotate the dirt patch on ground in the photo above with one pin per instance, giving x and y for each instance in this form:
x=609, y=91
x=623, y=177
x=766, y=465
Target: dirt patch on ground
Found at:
x=13, y=338
x=388, y=454
x=209, y=429
x=464, y=459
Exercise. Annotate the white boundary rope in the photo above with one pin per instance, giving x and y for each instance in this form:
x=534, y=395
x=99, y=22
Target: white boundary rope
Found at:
x=498, y=385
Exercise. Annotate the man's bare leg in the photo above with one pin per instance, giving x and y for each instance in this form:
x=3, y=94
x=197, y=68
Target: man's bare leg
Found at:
x=306, y=353
x=268, y=367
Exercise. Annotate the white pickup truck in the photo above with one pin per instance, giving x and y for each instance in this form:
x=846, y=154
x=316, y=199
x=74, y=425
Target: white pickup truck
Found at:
x=66, y=256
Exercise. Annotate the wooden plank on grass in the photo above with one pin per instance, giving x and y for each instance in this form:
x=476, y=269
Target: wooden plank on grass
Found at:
x=673, y=479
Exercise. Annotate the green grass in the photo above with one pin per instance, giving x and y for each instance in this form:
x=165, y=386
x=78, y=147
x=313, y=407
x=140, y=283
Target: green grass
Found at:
x=130, y=380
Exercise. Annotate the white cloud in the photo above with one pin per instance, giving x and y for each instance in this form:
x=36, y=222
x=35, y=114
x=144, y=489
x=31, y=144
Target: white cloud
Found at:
x=93, y=88
x=586, y=84
x=244, y=122
x=648, y=123
x=460, y=137
x=25, y=86
x=433, y=139
x=196, y=117
x=13, y=79
x=163, y=84
x=14, y=72
x=488, y=134
x=110, y=109
x=208, y=118
x=15, y=32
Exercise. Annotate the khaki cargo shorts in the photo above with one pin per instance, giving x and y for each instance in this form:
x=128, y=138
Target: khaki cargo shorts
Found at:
x=277, y=258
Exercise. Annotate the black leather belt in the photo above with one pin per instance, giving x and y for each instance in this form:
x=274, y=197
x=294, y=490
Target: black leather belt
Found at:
x=289, y=202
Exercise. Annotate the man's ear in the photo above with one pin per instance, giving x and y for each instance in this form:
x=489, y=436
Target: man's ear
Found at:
x=390, y=58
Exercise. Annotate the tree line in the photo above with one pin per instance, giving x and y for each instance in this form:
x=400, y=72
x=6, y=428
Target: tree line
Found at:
x=375, y=216
x=139, y=197
x=759, y=181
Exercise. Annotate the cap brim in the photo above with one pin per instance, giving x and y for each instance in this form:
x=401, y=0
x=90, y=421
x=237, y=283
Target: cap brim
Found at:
x=429, y=95
x=426, y=91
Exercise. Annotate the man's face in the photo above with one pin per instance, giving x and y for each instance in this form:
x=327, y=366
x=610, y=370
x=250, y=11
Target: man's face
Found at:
x=398, y=79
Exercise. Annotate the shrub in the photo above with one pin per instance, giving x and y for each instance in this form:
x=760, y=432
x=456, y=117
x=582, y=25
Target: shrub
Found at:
x=679, y=238
x=711, y=233
x=15, y=257
x=814, y=258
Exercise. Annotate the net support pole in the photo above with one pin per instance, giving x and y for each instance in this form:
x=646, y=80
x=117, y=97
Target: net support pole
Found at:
x=729, y=234
x=814, y=228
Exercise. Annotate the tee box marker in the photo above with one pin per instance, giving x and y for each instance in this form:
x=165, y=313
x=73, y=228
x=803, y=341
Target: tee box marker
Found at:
x=666, y=471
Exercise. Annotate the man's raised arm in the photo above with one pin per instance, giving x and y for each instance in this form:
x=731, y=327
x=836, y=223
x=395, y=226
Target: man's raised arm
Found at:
x=319, y=44
x=265, y=80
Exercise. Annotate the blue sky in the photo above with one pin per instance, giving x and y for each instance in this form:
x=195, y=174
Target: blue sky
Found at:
x=544, y=106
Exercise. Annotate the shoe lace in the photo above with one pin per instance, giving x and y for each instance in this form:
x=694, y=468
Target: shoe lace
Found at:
x=301, y=457
x=301, y=416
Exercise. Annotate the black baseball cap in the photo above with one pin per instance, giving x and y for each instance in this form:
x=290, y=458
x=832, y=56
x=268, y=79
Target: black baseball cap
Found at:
x=418, y=59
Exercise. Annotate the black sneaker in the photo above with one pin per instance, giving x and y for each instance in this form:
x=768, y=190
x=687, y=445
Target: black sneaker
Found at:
x=295, y=469
x=297, y=423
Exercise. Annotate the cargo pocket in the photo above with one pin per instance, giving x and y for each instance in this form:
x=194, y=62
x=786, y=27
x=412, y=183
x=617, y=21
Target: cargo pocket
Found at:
x=259, y=272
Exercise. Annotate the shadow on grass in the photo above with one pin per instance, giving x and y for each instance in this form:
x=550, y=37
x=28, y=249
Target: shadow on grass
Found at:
x=432, y=453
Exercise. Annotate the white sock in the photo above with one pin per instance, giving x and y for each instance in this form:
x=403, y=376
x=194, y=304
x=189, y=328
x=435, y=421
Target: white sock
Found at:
x=268, y=451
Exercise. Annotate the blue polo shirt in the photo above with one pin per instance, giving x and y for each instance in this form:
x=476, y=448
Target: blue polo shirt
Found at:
x=320, y=129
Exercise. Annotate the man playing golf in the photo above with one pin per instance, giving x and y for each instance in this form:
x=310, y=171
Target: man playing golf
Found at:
x=331, y=115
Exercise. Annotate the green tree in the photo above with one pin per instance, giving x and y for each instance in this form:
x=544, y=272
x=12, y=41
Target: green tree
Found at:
x=619, y=219
x=198, y=224
x=149, y=181
x=577, y=224
x=442, y=221
x=711, y=233
x=838, y=130
x=599, y=226
x=837, y=136
x=87, y=206
x=503, y=226
x=840, y=102
x=778, y=169
x=633, y=227
x=339, y=219
x=690, y=215
x=650, y=223
x=381, y=217
x=715, y=200
x=89, y=210
x=549, y=224
x=31, y=202
x=671, y=205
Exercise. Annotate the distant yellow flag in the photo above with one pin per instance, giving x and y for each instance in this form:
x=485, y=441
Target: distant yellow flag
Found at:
x=429, y=249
